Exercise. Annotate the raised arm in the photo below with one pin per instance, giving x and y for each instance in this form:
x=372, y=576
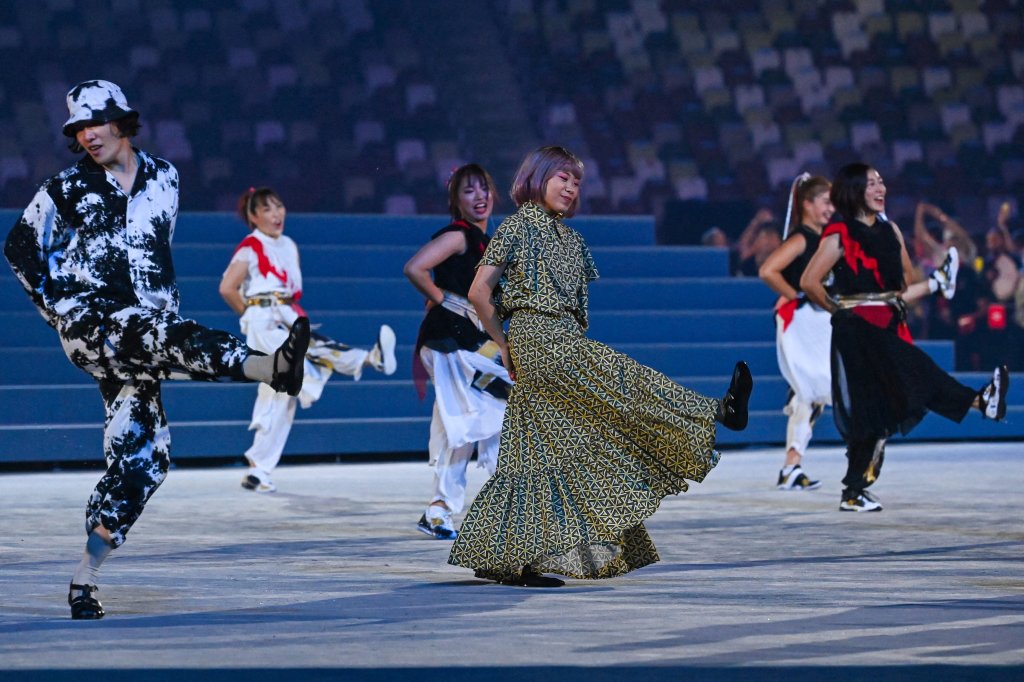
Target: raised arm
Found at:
x=921, y=234
x=1001, y=222
x=481, y=294
x=433, y=253
x=828, y=254
x=745, y=243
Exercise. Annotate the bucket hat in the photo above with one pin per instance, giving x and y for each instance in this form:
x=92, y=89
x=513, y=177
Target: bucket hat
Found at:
x=95, y=102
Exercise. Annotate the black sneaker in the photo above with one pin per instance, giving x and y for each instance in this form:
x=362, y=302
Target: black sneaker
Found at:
x=858, y=501
x=796, y=480
x=993, y=396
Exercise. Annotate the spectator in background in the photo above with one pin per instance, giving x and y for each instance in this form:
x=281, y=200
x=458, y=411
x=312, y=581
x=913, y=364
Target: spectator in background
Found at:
x=963, y=317
x=1000, y=279
x=758, y=240
x=716, y=237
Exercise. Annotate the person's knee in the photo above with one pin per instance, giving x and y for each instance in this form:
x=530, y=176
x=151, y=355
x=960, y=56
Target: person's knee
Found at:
x=138, y=480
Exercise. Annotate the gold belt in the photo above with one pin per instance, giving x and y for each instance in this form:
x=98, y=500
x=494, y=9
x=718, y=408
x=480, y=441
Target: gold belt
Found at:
x=884, y=298
x=269, y=300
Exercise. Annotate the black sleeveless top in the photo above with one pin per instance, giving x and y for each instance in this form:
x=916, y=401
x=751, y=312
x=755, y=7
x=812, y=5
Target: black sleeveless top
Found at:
x=792, y=272
x=456, y=273
x=871, y=262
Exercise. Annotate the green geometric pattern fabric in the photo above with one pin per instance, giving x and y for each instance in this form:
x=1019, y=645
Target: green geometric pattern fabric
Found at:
x=547, y=265
x=592, y=442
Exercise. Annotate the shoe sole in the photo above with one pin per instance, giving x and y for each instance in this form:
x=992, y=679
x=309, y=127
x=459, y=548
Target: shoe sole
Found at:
x=386, y=343
x=1004, y=386
x=813, y=486
x=290, y=382
x=848, y=509
x=953, y=270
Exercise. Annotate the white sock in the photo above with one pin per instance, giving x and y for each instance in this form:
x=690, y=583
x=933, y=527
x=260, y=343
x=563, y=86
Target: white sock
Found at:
x=933, y=284
x=787, y=470
x=259, y=367
x=96, y=550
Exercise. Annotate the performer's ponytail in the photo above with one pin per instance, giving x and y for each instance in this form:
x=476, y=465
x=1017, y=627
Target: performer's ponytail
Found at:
x=793, y=218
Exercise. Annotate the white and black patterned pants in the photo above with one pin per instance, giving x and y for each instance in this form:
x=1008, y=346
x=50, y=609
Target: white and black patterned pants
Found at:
x=129, y=351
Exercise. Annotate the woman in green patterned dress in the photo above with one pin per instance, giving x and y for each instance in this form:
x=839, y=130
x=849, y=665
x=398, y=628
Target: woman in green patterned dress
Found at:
x=592, y=440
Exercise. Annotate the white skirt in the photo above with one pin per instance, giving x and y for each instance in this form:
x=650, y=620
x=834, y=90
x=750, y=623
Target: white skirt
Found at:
x=803, y=349
x=467, y=414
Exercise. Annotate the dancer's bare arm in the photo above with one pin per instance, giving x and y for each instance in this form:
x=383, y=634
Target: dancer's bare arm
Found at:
x=824, y=259
x=480, y=295
x=432, y=254
x=230, y=284
x=771, y=270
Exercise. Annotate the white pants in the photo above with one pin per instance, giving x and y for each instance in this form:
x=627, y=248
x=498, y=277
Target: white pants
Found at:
x=272, y=416
x=803, y=350
x=463, y=416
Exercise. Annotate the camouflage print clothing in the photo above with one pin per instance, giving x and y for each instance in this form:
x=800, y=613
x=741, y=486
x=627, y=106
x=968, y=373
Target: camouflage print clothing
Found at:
x=97, y=264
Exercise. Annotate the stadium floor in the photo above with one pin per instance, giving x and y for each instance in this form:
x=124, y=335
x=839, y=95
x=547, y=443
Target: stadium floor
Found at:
x=328, y=579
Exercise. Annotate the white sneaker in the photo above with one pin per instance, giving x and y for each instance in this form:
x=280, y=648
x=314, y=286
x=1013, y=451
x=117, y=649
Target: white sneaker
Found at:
x=858, y=501
x=945, y=274
x=796, y=480
x=382, y=355
x=993, y=396
x=437, y=521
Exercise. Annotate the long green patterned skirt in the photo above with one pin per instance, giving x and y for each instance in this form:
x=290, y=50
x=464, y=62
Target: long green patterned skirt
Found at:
x=592, y=441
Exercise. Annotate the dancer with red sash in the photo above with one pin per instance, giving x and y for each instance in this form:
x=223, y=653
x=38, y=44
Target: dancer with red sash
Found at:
x=804, y=330
x=882, y=383
x=263, y=284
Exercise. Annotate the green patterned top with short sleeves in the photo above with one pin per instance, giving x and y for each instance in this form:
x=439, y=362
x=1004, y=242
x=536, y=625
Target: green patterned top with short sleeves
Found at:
x=548, y=265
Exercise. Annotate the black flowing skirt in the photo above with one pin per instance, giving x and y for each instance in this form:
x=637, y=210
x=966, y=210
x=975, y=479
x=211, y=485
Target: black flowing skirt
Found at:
x=883, y=385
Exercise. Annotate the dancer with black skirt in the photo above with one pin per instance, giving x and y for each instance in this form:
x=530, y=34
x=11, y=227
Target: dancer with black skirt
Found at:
x=882, y=384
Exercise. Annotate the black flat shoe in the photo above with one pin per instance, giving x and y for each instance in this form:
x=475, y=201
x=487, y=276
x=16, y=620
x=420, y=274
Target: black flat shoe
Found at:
x=530, y=578
x=292, y=352
x=84, y=606
x=732, y=411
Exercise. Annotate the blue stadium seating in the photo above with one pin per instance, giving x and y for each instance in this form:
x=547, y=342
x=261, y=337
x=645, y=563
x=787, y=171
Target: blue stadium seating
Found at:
x=673, y=308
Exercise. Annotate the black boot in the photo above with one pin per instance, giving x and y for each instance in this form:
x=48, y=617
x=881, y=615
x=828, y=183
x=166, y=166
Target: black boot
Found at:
x=732, y=411
x=84, y=606
x=293, y=353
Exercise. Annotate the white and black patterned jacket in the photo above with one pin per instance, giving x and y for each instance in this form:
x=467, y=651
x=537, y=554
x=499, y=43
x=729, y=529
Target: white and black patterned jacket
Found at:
x=84, y=242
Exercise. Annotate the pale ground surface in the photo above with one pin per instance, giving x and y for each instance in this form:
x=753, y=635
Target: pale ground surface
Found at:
x=329, y=574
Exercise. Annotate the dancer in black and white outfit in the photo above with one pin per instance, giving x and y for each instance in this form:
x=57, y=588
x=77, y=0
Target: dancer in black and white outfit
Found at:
x=470, y=384
x=804, y=330
x=263, y=284
x=93, y=253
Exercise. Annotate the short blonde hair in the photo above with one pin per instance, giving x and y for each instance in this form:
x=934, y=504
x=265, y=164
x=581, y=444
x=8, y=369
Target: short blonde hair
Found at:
x=537, y=168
